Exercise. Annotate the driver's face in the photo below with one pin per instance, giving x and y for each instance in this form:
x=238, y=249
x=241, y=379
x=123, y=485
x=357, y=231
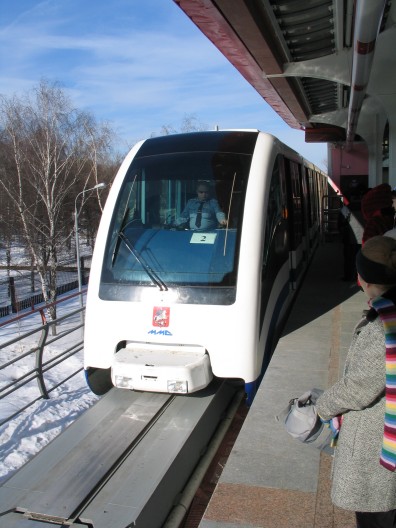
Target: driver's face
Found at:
x=203, y=193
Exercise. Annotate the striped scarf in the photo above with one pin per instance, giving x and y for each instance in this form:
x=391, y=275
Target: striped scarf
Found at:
x=386, y=310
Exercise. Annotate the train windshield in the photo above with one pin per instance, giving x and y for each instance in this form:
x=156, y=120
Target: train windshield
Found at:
x=177, y=224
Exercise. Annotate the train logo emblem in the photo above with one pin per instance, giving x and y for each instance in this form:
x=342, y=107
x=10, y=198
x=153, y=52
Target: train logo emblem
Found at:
x=161, y=316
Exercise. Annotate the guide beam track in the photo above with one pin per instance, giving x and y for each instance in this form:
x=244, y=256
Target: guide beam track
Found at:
x=122, y=463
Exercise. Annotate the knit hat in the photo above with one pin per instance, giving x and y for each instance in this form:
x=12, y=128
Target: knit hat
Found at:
x=374, y=272
x=378, y=198
x=376, y=261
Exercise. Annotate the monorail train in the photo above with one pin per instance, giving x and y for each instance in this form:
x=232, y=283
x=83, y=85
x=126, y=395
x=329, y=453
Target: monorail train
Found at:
x=170, y=304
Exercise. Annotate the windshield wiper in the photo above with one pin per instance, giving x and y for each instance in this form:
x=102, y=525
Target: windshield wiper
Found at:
x=150, y=272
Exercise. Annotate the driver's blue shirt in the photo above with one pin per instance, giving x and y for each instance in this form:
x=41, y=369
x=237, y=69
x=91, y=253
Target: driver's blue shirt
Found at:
x=211, y=214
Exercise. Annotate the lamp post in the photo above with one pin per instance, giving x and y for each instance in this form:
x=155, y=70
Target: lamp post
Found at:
x=98, y=186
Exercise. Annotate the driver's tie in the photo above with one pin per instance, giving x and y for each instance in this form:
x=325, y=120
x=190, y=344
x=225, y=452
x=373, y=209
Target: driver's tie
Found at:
x=199, y=215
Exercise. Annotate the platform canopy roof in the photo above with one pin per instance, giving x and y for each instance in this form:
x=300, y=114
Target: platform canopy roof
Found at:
x=325, y=66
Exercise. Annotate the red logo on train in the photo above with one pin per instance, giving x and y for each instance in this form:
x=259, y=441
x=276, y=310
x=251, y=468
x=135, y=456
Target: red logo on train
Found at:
x=161, y=316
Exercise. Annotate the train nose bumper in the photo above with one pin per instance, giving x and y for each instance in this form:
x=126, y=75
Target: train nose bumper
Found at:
x=161, y=368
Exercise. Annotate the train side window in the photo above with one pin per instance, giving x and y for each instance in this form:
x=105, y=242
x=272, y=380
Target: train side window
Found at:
x=294, y=203
x=274, y=216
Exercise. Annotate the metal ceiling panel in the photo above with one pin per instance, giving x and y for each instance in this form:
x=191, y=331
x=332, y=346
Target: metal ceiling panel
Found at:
x=264, y=38
x=307, y=27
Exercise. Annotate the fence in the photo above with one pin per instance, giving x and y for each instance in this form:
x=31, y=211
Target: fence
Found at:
x=23, y=289
x=28, y=362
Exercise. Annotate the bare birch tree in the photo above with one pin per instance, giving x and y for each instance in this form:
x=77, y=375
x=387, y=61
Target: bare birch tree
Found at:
x=53, y=150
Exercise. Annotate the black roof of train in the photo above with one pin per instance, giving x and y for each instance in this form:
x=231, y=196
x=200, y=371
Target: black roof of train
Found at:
x=235, y=141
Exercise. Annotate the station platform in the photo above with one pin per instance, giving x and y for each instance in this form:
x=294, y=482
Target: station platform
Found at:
x=271, y=480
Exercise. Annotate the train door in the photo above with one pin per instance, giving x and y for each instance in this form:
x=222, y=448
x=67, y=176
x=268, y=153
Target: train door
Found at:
x=305, y=212
x=295, y=217
x=317, y=191
x=313, y=213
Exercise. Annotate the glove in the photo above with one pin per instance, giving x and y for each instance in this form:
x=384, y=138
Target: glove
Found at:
x=334, y=424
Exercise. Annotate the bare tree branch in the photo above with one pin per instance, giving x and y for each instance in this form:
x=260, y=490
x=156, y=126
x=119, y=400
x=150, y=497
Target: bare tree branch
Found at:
x=53, y=152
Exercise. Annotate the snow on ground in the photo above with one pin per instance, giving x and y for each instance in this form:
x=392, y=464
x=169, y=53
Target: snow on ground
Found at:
x=29, y=432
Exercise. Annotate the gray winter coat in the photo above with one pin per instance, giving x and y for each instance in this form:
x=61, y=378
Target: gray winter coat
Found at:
x=360, y=483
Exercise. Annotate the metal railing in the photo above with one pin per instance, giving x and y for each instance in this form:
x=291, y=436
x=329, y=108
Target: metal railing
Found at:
x=29, y=360
x=23, y=289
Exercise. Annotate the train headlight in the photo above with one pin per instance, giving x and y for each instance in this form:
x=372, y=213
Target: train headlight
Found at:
x=122, y=382
x=178, y=386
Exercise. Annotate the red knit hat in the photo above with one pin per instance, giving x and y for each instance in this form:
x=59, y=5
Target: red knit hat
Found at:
x=378, y=198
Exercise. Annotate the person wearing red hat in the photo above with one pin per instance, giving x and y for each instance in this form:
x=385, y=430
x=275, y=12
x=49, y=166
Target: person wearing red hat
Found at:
x=377, y=211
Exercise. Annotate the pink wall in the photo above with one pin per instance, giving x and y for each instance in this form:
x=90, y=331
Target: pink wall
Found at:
x=349, y=170
x=347, y=163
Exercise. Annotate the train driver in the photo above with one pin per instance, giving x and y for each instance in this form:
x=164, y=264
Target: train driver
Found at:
x=202, y=212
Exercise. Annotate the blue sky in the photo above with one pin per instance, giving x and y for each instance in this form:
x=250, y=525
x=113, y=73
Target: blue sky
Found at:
x=138, y=64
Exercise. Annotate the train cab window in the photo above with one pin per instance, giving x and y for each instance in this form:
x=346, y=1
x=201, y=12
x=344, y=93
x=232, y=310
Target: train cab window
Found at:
x=150, y=246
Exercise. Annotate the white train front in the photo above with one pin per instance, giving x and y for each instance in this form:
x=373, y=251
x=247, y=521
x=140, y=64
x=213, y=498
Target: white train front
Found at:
x=170, y=305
